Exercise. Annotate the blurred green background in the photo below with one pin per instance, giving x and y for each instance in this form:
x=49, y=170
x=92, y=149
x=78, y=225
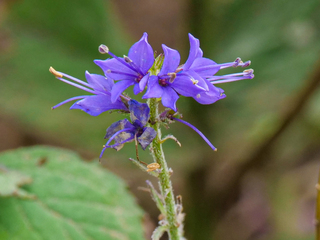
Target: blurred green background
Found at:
x=260, y=183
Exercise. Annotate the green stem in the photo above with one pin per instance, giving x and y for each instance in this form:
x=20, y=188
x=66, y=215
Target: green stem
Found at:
x=164, y=175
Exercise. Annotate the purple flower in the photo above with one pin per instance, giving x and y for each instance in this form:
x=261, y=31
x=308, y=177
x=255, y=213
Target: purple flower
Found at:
x=124, y=131
x=99, y=86
x=204, y=69
x=168, y=84
x=129, y=70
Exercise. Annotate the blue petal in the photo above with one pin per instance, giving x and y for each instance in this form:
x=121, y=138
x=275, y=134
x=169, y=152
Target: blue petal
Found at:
x=99, y=82
x=184, y=86
x=118, y=89
x=139, y=112
x=117, y=146
x=195, y=51
x=120, y=132
x=154, y=89
x=208, y=97
x=119, y=125
x=171, y=60
x=146, y=137
x=97, y=104
x=169, y=98
x=205, y=67
x=136, y=89
x=141, y=53
x=190, y=74
x=116, y=70
x=143, y=82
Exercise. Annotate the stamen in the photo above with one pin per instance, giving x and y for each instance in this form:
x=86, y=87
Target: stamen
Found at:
x=237, y=62
x=68, y=100
x=77, y=86
x=55, y=73
x=76, y=80
x=197, y=131
x=172, y=77
x=208, y=67
x=246, y=64
x=248, y=71
x=246, y=74
x=124, y=62
x=103, y=49
x=127, y=59
x=231, y=80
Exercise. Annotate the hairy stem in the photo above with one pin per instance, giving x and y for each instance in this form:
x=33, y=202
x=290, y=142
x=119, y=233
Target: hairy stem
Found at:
x=164, y=175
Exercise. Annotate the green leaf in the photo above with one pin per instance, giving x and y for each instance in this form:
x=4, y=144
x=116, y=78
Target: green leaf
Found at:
x=10, y=181
x=75, y=200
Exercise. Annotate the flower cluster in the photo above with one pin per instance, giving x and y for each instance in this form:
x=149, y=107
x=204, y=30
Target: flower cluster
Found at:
x=162, y=77
x=123, y=131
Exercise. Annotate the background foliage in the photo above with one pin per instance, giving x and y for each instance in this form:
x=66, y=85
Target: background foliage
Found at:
x=261, y=181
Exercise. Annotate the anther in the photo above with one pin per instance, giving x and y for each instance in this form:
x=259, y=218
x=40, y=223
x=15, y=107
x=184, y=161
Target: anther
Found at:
x=172, y=77
x=246, y=64
x=103, y=49
x=109, y=71
x=127, y=59
x=248, y=71
x=237, y=62
x=198, y=95
x=55, y=73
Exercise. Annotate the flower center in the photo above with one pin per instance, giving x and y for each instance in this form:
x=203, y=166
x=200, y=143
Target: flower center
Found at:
x=139, y=131
x=163, y=82
x=138, y=79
